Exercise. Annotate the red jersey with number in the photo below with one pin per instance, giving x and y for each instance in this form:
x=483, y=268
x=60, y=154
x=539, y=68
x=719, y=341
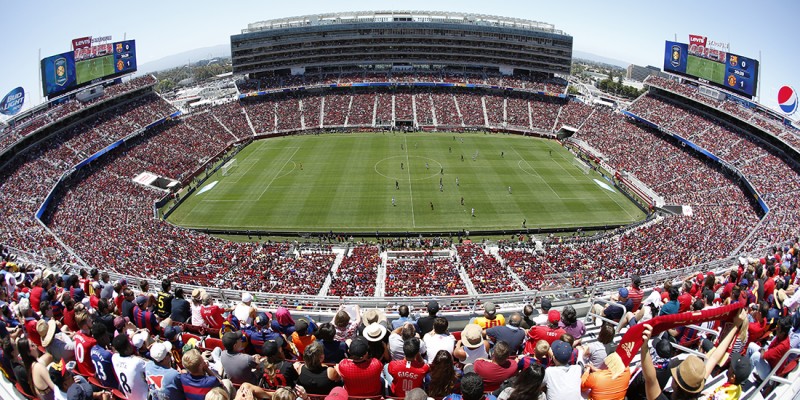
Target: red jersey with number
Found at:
x=212, y=316
x=407, y=375
x=83, y=353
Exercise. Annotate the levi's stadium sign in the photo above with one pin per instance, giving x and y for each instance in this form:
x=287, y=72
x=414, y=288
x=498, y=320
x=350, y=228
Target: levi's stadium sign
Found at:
x=82, y=43
x=698, y=40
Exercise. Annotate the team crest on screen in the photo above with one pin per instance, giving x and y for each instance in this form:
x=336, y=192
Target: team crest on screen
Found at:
x=61, y=71
x=676, y=56
x=119, y=47
x=734, y=61
x=731, y=80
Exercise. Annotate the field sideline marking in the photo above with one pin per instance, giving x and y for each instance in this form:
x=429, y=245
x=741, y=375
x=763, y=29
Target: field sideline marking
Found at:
x=249, y=167
x=410, y=191
x=278, y=173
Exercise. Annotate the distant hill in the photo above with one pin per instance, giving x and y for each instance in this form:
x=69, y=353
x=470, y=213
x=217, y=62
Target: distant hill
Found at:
x=594, y=57
x=186, y=57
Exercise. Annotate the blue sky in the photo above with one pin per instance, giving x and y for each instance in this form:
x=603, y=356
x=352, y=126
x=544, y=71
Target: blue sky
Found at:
x=632, y=31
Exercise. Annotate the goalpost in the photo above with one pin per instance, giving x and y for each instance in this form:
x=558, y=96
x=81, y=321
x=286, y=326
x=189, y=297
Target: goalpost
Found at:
x=582, y=165
x=228, y=167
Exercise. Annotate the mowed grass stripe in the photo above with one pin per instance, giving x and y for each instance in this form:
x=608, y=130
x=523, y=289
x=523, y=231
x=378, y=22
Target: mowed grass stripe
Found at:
x=347, y=183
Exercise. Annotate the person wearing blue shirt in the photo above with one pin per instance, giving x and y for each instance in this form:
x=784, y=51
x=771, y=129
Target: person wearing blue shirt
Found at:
x=404, y=312
x=672, y=306
x=101, y=357
x=163, y=380
x=260, y=332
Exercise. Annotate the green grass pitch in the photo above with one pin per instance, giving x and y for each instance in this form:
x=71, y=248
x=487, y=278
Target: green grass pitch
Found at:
x=706, y=69
x=94, y=68
x=346, y=182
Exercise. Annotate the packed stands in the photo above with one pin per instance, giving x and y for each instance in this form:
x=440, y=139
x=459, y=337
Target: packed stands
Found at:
x=357, y=274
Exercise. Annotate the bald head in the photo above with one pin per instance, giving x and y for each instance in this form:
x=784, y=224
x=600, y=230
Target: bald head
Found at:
x=515, y=320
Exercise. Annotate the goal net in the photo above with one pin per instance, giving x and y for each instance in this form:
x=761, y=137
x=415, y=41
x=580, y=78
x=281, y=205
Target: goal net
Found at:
x=582, y=165
x=228, y=167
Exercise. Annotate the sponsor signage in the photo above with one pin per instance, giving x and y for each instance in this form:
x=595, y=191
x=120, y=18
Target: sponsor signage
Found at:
x=787, y=100
x=81, y=43
x=12, y=102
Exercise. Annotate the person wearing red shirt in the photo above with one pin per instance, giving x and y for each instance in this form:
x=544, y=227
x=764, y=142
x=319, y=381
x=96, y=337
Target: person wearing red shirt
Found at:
x=635, y=293
x=36, y=294
x=549, y=333
x=766, y=359
x=495, y=371
x=758, y=329
x=769, y=283
x=212, y=314
x=410, y=372
x=361, y=373
x=83, y=344
x=685, y=299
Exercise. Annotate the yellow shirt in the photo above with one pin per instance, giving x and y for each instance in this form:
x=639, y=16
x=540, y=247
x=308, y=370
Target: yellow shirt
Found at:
x=486, y=323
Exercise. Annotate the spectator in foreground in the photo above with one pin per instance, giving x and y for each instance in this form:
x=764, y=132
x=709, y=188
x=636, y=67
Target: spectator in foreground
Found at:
x=162, y=379
x=238, y=366
x=688, y=379
x=495, y=371
x=444, y=375
x=409, y=372
x=439, y=339
x=527, y=386
x=561, y=380
x=129, y=369
x=361, y=373
x=511, y=333
x=312, y=375
x=198, y=379
x=471, y=389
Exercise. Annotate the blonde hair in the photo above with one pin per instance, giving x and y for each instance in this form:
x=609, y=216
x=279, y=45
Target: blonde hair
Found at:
x=284, y=393
x=193, y=361
x=217, y=393
x=542, y=347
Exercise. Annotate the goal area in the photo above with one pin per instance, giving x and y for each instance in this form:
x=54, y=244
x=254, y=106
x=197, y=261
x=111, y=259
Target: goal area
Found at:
x=582, y=165
x=228, y=167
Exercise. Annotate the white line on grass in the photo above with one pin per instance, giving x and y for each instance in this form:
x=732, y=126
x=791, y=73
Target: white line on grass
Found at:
x=410, y=192
x=278, y=173
x=255, y=161
x=537, y=174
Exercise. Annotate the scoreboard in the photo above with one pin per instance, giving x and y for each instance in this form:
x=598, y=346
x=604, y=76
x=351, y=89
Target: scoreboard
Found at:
x=726, y=70
x=68, y=71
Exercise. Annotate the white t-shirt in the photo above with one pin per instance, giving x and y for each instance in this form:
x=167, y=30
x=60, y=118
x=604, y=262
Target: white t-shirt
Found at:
x=130, y=376
x=436, y=342
x=564, y=382
x=242, y=313
x=197, y=319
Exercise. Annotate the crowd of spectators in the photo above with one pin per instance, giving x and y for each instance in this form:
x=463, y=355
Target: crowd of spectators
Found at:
x=82, y=336
x=31, y=122
x=484, y=270
x=429, y=276
x=358, y=273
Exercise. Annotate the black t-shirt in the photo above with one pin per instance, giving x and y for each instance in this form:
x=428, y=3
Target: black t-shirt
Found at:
x=636, y=389
x=180, y=310
x=163, y=305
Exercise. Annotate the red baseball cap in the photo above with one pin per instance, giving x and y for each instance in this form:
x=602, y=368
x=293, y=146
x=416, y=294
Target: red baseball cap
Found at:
x=553, y=316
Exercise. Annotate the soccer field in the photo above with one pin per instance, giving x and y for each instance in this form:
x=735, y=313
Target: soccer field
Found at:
x=706, y=69
x=347, y=182
x=94, y=68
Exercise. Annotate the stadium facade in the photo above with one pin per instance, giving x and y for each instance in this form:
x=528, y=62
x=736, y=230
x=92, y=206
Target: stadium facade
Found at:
x=401, y=40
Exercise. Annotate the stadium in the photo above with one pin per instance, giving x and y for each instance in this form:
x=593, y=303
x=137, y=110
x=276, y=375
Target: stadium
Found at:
x=315, y=170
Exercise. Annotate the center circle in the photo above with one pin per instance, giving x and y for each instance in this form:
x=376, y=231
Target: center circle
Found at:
x=393, y=164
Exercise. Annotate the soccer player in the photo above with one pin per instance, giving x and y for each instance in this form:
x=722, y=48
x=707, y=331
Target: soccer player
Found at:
x=393, y=203
x=397, y=185
x=401, y=165
x=473, y=211
x=509, y=190
x=462, y=200
x=524, y=221
x=457, y=182
x=441, y=188
x=426, y=165
x=502, y=154
x=431, y=206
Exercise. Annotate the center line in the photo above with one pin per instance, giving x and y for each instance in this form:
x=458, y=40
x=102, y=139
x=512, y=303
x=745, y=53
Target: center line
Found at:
x=410, y=192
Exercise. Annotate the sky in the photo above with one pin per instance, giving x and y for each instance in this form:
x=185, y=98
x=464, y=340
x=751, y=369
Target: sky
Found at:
x=631, y=31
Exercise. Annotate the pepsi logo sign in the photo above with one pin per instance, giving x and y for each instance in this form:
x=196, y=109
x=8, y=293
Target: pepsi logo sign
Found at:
x=787, y=100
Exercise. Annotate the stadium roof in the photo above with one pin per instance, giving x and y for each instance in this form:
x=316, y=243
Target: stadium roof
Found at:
x=401, y=16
